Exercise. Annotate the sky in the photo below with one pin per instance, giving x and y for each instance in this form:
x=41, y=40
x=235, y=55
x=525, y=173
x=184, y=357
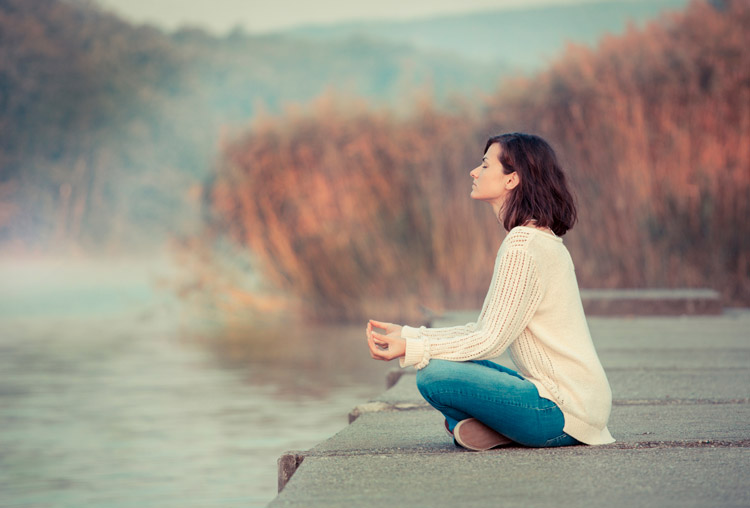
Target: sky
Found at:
x=262, y=16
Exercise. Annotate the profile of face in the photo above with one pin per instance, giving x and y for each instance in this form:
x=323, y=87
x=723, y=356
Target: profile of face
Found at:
x=491, y=184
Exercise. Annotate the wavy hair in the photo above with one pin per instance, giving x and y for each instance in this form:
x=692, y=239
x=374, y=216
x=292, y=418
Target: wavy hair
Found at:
x=542, y=193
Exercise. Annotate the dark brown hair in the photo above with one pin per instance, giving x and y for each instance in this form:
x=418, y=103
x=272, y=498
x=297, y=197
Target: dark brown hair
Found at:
x=542, y=193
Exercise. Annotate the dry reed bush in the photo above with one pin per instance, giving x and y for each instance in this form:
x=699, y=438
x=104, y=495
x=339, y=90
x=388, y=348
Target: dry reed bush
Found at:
x=363, y=214
x=219, y=288
x=359, y=212
x=654, y=127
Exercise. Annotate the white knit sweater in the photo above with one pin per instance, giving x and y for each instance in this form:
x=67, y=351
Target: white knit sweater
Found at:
x=533, y=308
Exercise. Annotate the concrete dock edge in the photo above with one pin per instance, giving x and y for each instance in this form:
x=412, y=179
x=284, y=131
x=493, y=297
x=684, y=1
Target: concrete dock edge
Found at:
x=680, y=414
x=287, y=466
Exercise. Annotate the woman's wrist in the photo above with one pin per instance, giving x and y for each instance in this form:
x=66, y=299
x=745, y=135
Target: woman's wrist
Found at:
x=409, y=332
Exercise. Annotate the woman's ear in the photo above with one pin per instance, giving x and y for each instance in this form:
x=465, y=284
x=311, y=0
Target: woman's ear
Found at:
x=512, y=180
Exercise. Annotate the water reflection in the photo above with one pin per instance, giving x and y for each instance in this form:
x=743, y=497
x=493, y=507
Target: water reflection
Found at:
x=298, y=361
x=132, y=410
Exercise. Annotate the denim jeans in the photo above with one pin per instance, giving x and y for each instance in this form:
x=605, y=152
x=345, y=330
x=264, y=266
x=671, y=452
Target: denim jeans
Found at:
x=495, y=395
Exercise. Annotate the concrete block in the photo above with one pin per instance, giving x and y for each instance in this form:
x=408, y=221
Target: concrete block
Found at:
x=288, y=464
x=575, y=477
x=650, y=302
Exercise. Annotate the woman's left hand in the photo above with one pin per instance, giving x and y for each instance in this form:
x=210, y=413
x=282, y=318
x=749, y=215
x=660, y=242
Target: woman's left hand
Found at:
x=391, y=346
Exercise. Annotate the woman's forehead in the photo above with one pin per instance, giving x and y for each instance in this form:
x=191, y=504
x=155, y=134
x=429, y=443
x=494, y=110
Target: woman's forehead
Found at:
x=492, y=152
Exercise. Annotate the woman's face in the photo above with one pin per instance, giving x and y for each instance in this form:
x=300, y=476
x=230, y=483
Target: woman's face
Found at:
x=491, y=184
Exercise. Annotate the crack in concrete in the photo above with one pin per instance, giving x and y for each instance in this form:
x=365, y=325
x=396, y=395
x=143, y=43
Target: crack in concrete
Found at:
x=676, y=402
x=640, y=445
x=671, y=369
x=703, y=443
x=668, y=350
x=380, y=406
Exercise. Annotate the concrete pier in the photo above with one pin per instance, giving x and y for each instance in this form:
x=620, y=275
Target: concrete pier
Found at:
x=681, y=417
x=650, y=302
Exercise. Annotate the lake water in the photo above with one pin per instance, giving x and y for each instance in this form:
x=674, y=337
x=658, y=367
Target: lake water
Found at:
x=108, y=398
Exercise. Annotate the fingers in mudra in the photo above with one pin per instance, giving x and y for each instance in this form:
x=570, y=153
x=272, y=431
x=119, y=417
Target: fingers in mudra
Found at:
x=374, y=348
x=387, y=327
x=379, y=341
x=383, y=347
x=377, y=324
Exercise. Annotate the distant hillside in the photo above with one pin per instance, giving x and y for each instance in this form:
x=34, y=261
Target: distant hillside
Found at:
x=105, y=127
x=523, y=38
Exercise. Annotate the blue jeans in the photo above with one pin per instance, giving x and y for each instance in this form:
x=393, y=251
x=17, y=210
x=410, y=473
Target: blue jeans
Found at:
x=496, y=396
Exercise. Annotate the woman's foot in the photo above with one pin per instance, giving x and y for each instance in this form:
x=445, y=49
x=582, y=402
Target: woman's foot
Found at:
x=474, y=435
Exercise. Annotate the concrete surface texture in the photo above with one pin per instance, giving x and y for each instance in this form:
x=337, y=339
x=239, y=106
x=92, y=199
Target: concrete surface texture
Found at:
x=661, y=302
x=681, y=417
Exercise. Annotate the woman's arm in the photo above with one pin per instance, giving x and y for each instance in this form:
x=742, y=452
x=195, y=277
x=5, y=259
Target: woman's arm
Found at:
x=408, y=332
x=513, y=298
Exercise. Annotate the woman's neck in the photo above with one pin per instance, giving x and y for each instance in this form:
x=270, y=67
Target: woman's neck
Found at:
x=532, y=224
x=497, y=208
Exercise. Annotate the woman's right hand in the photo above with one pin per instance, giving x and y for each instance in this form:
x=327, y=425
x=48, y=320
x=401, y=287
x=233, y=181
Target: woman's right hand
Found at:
x=389, y=328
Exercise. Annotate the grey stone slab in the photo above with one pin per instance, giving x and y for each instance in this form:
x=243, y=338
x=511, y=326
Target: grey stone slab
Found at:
x=405, y=390
x=419, y=431
x=680, y=423
x=561, y=477
x=390, y=432
x=672, y=358
x=649, y=295
x=680, y=417
x=622, y=302
x=706, y=332
x=630, y=302
x=704, y=384
x=635, y=384
x=729, y=330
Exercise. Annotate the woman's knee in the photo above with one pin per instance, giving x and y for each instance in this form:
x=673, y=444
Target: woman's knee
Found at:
x=433, y=375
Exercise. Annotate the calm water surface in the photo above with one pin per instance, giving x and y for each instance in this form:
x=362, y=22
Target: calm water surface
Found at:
x=119, y=407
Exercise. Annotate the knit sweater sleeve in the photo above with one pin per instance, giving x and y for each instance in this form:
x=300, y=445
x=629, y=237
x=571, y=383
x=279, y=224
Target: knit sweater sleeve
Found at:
x=513, y=297
x=448, y=332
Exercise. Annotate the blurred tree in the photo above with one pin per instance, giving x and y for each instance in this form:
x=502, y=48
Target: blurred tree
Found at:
x=361, y=211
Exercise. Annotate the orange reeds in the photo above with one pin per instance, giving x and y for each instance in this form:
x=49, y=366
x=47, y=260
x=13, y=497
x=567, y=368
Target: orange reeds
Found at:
x=655, y=129
x=362, y=213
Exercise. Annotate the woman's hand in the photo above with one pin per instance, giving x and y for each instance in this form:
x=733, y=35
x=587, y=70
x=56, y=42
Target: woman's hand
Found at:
x=389, y=328
x=385, y=347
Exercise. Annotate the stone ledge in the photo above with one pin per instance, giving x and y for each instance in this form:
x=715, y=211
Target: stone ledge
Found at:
x=379, y=407
x=636, y=423
x=623, y=302
x=681, y=416
x=651, y=302
x=571, y=477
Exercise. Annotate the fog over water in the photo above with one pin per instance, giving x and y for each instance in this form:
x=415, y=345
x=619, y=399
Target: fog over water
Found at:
x=108, y=399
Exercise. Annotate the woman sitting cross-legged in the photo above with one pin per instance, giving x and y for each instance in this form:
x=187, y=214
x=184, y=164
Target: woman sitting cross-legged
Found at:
x=560, y=395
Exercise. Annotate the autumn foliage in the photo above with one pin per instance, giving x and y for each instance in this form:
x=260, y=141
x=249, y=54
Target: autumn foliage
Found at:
x=655, y=129
x=362, y=212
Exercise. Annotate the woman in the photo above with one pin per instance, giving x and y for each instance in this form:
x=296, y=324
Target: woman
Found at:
x=560, y=395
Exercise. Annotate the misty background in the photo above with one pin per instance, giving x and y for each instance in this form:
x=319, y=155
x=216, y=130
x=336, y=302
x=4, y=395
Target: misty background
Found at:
x=111, y=129
x=200, y=207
